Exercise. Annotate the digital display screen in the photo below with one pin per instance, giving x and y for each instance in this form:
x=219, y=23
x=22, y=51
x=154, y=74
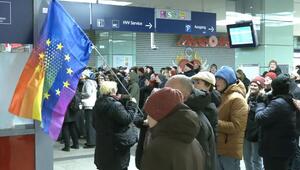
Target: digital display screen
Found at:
x=241, y=35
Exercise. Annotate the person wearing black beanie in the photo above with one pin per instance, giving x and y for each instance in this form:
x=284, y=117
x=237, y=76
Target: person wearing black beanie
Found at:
x=281, y=85
x=277, y=121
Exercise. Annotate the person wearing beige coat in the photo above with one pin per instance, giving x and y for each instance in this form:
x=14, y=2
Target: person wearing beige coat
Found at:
x=232, y=119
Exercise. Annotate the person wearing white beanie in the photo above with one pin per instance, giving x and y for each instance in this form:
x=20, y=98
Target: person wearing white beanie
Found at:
x=204, y=80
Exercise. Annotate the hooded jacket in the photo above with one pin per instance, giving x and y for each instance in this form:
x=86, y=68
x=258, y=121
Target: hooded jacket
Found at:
x=89, y=93
x=228, y=74
x=133, y=87
x=233, y=113
x=173, y=145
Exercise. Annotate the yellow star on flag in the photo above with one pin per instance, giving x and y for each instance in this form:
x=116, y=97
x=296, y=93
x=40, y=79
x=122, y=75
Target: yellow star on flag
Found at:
x=57, y=92
x=69, y=71
x=66, y=84
x=48, y=42
x=46, y=95
x=59, y=46
x=41, y=56
x=67, y=57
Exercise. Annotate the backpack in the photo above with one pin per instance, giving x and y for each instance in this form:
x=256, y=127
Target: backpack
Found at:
x=74, y=104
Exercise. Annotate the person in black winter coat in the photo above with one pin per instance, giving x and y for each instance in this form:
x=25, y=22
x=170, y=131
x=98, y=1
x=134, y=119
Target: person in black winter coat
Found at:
x=112, y=120
x=250, y=152
x=145, y=91
x=295, y=91
x=144, y=94
x=206, y=81
x=69, y=125
x=278, y=126
x=142, y=77
x=199, y=102
x=142, y=135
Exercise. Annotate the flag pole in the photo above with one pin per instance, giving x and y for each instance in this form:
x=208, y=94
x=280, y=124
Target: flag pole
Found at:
x=114, y=74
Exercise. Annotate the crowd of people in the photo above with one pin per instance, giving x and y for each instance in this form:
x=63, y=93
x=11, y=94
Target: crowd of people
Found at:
x=186, y=118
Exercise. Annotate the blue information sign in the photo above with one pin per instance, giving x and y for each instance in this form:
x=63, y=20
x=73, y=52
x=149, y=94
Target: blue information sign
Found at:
x=16, y=21
x=5, y=12
x=119, y=18
x=138, y=19
x=201, y=23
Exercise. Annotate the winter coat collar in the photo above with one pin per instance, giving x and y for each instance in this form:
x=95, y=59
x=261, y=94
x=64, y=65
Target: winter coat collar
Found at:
x=182, y=125
x=198, y=100
x=237, y=87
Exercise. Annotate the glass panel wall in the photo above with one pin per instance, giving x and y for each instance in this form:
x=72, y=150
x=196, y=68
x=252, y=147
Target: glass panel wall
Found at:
x=13, y=58
x=117, y=48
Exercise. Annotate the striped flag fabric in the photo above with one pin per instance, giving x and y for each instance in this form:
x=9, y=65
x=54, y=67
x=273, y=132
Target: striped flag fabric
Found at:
x=50, y=77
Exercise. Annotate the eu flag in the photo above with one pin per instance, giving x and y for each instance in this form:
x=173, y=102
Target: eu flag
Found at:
x=51, y=74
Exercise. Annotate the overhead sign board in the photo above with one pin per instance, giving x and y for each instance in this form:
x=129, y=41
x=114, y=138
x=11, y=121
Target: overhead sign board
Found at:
x=120, y=18
x=80, y=12
x=5, y=12
x=16, y=21
x=173, y=14
x=137, y=19
x=199, y=23
x=203, y=23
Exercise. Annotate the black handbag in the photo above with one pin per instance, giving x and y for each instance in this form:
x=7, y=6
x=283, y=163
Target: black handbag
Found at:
x=126, y=139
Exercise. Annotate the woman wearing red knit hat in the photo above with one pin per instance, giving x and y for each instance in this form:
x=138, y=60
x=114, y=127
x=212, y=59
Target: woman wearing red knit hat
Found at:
x=269, y=77
x=250, y=152
x=173, y=128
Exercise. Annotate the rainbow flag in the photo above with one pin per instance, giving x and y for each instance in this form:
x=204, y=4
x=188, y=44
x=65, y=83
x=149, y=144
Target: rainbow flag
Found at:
x=50, y=77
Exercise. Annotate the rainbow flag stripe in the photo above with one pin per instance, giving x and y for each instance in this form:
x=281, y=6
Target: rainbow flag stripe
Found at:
x=50, y=77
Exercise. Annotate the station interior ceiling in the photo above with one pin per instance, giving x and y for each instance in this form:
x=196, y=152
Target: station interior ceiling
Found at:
x=226, y=11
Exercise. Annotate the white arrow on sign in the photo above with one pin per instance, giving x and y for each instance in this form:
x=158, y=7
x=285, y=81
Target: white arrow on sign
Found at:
x=149, y=25
x=211, y=29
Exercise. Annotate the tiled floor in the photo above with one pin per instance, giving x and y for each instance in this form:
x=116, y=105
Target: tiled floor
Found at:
x=79, y=159
x=83, y=159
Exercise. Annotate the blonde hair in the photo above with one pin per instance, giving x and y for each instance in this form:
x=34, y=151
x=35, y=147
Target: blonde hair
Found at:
x=108, y=87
